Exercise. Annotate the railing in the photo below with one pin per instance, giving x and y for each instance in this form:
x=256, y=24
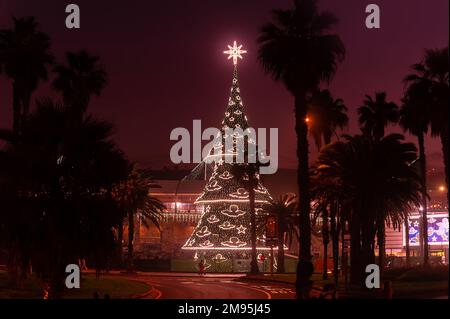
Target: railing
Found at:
x=182, y=216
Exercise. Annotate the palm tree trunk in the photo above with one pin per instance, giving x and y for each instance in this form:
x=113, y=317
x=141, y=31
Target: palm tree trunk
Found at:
x=444, y=141
x=325, y=241
x=366, y=249
x=355, y=249
x=130, y=240
x=325, y=261
x=408, y=252
x=423, y=172
x=305, y=267
x=120, y=244
x=344, y=252
x=381, y=248
x=335, y=243
x=25, y=98
x=368, y=234
x=16, y=109
x=280, y=254
x=26, y=102
x=254, y=262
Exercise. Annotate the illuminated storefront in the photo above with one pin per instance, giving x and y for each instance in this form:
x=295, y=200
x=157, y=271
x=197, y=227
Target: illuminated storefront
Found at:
x=396, y=240
x=437, y=230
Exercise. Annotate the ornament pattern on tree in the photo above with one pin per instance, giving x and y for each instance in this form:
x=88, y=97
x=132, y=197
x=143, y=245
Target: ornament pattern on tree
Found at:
x=234, y=242
x=207, y=244
x=203, y=232
x=226, y=175
x=241, y=229
x=213, y=219
x=219, y=258
x=241, y=193
x=227, y=225
x=233, y=211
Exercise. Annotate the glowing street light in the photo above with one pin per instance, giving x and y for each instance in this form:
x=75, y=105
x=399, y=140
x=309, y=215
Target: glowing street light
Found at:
x=442, y=188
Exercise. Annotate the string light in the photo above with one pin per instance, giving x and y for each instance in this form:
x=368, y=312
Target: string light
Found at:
x=223, y=230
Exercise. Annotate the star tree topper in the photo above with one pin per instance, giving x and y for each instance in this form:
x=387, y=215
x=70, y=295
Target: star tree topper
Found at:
x=235, y=52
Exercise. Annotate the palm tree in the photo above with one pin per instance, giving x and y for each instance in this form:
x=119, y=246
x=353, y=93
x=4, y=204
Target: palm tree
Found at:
x=325, y=114
x=415, y=118
x=285, y=209
x=26, y=57
x=81, y=78
x=133, y=196
x=372, y=179
x=2, y=52
x=2, y=48
x=298, y=49
x=432, y=72
x=376, y=114
x=57, y=195
x=329, y=209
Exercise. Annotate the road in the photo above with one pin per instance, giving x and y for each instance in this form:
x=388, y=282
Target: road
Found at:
x=210, y=286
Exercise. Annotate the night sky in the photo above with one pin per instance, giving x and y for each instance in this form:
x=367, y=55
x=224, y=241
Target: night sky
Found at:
x=166, y=67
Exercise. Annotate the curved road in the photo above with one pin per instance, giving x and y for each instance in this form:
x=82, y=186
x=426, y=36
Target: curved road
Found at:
x=191, y=286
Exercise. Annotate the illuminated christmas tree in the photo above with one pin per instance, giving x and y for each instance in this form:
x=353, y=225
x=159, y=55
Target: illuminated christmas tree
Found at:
x=223, y=231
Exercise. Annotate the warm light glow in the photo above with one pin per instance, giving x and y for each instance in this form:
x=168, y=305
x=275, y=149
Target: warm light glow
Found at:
x=234, y=52
x=230, y=248
x=442, y=188
x=307, y=119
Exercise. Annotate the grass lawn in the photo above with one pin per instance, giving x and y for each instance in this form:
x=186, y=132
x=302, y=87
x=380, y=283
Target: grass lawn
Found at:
x=116, y=287
x=190, y=265
x=183, y=265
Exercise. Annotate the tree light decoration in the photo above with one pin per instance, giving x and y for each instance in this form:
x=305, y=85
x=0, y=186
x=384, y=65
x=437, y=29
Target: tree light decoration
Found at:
x=223, y=232
x=235, y=52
